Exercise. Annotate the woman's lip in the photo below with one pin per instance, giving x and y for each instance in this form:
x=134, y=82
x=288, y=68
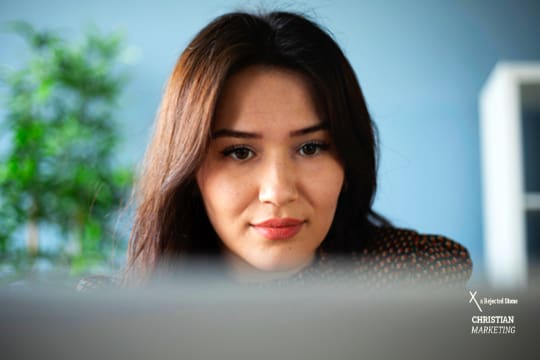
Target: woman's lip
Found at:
x=279, y=229
x=279, y=223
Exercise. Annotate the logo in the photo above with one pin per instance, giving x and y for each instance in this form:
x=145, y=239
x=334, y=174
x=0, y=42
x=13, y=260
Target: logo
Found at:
x=495, y=318
x=473, y=298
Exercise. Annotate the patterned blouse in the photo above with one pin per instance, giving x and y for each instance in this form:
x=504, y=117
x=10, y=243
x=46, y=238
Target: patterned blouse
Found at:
x=396, y=257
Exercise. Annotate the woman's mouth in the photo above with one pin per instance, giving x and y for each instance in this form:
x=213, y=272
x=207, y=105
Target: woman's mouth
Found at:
x=279, y=228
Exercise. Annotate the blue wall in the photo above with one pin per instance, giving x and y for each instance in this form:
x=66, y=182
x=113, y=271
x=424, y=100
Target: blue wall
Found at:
x=421, y=64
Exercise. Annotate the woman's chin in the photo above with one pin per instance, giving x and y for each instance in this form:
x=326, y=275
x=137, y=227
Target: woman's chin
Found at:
x=266, y=267
x=280, y=266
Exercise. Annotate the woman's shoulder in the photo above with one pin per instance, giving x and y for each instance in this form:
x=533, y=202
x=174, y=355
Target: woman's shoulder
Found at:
x=404, y=256
x=390, y=240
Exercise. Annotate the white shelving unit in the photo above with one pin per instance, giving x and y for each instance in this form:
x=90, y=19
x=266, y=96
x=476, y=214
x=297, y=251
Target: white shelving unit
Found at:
x=505, y=199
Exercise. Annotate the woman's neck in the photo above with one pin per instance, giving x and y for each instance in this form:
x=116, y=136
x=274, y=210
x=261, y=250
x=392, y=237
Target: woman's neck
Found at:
x=243, y=272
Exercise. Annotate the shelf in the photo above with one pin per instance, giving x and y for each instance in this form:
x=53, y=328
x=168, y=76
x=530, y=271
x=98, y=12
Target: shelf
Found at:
x=532, y=202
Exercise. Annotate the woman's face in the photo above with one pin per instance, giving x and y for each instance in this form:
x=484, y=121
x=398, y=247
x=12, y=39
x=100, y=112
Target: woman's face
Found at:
x=271, y=178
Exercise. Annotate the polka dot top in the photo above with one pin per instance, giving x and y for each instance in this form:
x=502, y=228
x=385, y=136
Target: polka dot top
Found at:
x=397, y=257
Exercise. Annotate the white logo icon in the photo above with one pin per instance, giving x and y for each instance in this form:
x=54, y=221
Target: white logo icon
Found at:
x=473, y=298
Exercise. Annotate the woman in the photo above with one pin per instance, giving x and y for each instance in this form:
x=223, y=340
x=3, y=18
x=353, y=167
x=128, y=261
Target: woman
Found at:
x=264, y=154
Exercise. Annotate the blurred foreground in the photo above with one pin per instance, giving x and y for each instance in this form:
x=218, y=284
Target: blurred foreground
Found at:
x=203, y=317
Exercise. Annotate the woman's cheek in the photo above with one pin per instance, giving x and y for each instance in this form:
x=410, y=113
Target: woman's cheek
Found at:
x=229, y=189
x=326, y=176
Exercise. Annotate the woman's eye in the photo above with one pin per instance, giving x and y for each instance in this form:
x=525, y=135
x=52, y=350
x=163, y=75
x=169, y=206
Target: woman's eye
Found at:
x=312, y=148
x=239, y=153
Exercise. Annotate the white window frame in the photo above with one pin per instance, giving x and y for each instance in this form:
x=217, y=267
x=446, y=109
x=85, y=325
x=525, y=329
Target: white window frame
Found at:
x=504, y=199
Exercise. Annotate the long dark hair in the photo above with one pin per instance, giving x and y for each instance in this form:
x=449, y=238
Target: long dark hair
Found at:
x=170, y=220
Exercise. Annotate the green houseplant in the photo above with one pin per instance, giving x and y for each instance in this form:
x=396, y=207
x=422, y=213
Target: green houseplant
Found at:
x=59, y=170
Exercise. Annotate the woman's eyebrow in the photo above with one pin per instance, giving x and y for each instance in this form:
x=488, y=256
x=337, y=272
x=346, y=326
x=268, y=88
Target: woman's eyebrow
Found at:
x=235, y=134
x=309, y=129
x=248, y=135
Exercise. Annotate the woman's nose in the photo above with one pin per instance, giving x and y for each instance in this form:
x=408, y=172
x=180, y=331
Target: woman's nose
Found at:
x=278, y=182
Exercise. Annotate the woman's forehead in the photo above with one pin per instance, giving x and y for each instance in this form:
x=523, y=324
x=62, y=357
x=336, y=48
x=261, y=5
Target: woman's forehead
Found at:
x=266, y=97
